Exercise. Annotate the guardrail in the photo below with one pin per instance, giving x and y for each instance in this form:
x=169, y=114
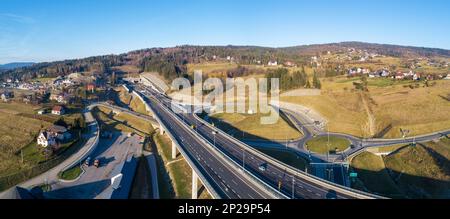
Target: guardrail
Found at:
x=186, y=155
x=236, y=165
x=91, y=148
x=306, y=176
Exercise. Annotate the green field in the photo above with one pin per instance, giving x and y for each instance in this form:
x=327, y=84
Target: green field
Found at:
x=71, y=173
x=288, y=158
x=246, y=126
x=179, y=171
x=17, y=132
x=373, y=175
x=320, y=145
x=420, y=171
x=121, y=122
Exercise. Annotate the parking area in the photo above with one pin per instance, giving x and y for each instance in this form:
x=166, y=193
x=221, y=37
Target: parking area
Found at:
x=116, y=155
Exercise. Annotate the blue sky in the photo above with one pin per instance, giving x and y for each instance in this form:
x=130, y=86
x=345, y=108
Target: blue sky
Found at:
x=48, y=30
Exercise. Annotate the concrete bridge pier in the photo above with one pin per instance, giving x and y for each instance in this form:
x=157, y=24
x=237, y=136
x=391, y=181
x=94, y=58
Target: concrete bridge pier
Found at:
x=174, y=150
x=194, y=185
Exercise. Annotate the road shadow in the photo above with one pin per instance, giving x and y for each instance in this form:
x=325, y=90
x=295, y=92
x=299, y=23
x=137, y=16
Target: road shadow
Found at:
x=83, y=191
x=394, y=184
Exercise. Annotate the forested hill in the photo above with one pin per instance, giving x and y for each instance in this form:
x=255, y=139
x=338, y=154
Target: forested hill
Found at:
x=172, y=62
x=13, y=65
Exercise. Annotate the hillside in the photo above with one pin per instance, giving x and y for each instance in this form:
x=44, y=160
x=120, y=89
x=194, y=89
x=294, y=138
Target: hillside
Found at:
x=173, y=62
x=420, y=171
x=13, y=65
x=383, y=49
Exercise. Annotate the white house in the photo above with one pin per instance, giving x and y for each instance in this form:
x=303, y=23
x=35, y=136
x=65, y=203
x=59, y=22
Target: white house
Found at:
x=46, y=139
x=416, y=76
x=447, y=77
x=272, y=63
x=58, y=110
x=385, y=73
x=6, y=96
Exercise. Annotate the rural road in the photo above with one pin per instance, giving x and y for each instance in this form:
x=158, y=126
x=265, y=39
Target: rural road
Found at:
x=310, y=131
x=51, y=176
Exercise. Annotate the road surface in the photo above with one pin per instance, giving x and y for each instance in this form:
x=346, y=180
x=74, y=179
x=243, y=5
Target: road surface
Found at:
x=114, y=154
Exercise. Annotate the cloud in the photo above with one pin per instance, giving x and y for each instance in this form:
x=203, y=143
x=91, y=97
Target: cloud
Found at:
x=18, y=18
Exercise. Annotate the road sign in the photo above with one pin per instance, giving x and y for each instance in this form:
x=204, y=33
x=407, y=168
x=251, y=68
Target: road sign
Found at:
x=353, y=174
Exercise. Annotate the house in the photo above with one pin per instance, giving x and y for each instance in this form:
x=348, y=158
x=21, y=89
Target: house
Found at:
x=399, y=76
x=447, y=77
x=53, y=135
x=365, y=71
x=58, y=110
x=41, y=112
x=46, y=139
x=59, y=132
x=416, y=76
x=289, y=64
x=385, y=73
x=373, y=75
x=272, y=63
x=90, y=87
x=60, y=97
x=7, y=95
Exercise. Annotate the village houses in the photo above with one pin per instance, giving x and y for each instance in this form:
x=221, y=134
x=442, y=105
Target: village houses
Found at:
x=53, y=135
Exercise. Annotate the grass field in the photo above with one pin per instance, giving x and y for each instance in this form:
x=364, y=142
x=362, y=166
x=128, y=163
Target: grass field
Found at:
x=219, y=69
x=421, y=171
x=179, y=171
x=17, y=132
x=320, y=145
x=422, y=110
x=71, y=173
x=373, y=175
x=249, y=127
x=128, y=99
x=121, y=122
x=288, y=158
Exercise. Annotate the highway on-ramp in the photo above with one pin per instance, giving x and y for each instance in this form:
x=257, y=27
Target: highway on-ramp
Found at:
x=289, y=182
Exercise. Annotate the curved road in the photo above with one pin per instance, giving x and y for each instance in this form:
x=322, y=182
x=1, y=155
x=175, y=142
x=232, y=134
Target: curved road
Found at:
x=52, y=175
x=289, y=182
x=310, y=131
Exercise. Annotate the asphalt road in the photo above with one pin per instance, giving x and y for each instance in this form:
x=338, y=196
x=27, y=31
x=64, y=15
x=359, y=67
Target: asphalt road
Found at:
x=114, y=154
x=230, y=183
x=295, y=186
x=51, y=176
x=358, y=144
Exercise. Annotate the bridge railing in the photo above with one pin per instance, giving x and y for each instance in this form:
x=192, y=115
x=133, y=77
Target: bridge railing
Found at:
x=306, y=176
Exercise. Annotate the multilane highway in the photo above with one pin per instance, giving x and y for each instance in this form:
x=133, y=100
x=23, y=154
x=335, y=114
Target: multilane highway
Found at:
x=291, y=183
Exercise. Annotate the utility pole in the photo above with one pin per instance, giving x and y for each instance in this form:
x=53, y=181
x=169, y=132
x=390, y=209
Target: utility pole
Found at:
x=243, y=159
x=286, y=141
x=328, y=143
x=293, y=187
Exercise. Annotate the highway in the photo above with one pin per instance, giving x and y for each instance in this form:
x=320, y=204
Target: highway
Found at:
x=290, y=182
x=357, y=144
x=230, y=183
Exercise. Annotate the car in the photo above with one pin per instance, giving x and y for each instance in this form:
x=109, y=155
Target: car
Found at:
x=97, y=163
x=87, y=162
x=263, y=167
